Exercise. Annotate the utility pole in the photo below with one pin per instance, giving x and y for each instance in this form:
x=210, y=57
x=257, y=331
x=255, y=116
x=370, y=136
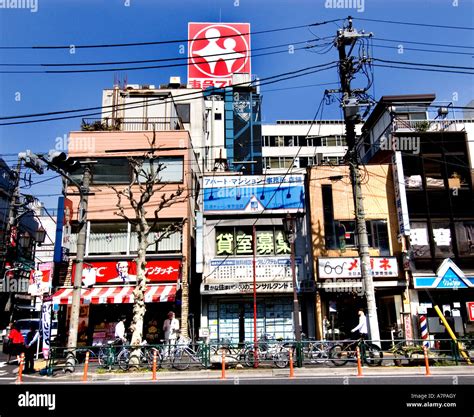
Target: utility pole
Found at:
x=348, y=66
x=79, y=261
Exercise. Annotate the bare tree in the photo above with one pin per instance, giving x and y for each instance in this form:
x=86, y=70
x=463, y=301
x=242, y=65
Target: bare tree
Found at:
x=145, y=183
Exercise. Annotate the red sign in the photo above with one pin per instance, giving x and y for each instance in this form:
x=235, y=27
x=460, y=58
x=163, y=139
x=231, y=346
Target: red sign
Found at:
x=216, y=51
x=125, y=272
x=470, y=310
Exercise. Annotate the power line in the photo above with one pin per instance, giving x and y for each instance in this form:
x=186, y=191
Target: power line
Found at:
x=422, y=64
x=328, y=65
x=422, y=43
x=415, y=24
x=186, y=58
x=426, y=50
x=423, y=69
x=131, y=44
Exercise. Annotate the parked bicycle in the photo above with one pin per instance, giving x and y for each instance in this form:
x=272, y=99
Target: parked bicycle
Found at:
x=268, y=349
x=184, y=355
x=341, y=353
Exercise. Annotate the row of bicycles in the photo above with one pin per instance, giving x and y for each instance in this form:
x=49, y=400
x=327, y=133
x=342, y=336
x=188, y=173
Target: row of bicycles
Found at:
x=268, y=351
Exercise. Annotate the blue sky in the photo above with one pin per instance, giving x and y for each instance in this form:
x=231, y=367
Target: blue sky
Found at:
x=76, y=22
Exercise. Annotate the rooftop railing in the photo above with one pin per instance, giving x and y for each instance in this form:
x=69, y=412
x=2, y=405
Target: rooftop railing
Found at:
x=132, y=124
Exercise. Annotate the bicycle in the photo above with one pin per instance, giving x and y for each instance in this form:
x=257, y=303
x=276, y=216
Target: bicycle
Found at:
x=145, y=356
x=277, y=352
x=184, y=355
x=370, y=353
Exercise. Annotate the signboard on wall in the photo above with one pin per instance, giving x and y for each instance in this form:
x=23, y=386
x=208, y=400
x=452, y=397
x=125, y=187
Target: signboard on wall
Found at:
x=241, y=269
x=400, y=194
x=40, y=279
x=63, y=230
x=253, y=194
x=247, y=287
x=124, y=271
x=448, y=276
x=216, y=52
x=350, y=267
x=470, y=310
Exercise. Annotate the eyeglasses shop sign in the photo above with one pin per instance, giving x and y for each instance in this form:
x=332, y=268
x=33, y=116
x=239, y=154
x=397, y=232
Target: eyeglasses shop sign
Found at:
x=351, y=268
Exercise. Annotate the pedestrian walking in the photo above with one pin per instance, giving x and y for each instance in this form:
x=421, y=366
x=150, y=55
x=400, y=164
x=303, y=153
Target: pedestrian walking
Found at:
x=361, y=328
x=17, y=342
x=30, y=342
x=120, y=338
x=171, y=329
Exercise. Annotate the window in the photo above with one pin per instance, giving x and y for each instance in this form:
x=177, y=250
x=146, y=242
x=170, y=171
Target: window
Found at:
x=271, y=241
x=465, y=238
x=346, y=235
x=217, y=116
x=111, y=171
x=442, y=238
x=108, y=238
x=171, y=169
x=183, y=111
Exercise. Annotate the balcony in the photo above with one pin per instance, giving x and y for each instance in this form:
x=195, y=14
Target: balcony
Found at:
x=133, y=124
x=442, y=125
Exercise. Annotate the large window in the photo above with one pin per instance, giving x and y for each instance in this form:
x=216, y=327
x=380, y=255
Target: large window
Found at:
x=465, y=238
x=346, y=235
x=237, y=241
x=111, y=171
x=183, y=111
x=164, y=169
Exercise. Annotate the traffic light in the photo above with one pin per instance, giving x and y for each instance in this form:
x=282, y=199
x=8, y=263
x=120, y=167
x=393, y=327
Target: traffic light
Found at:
x=32, y=161
x=61, y=160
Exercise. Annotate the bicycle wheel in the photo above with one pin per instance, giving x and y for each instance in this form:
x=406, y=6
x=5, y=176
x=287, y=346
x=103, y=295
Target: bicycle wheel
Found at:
x=318, y=353
x=373, y=355
x=338, y=355
x=182, y=360
x=149, y=354
x=123, y=359
x=249, y=358
x=281, y=358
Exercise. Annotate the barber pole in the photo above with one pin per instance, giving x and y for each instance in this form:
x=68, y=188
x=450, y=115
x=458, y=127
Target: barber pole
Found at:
x=424, y=331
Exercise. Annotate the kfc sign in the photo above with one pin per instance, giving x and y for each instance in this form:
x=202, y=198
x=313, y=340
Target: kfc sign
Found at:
x=470, y=310
x=216, y=51
x=40, y=279
x=125, y=272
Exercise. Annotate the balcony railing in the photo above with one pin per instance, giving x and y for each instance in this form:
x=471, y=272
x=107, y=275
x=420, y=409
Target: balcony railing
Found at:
x=132, y=124
x=424, y=125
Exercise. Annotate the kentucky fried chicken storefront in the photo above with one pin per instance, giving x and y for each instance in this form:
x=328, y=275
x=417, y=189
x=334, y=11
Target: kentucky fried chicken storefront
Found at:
x=107, y=294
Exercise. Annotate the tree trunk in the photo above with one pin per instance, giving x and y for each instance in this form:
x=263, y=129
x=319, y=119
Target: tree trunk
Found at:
x=139, y=307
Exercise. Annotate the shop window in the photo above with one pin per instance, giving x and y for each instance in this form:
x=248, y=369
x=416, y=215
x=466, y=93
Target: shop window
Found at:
x=465, y=238
x=111, y=171
x=164, y=169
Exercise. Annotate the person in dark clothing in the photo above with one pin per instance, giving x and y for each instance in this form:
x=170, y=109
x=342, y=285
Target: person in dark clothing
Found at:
x=30, y=344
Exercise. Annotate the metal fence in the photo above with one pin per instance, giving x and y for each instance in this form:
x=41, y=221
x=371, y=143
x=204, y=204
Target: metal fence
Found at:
x=185, y=355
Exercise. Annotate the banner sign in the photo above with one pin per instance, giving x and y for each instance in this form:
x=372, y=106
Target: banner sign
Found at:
x=253, y=194
x=124, y=271
x=216, y=51
x=247, y=287
x=63, y=230
x=241, y=269
x=40, y=279
x=46, y=326
x=400, y=194
x=470, y=310
x=350, y=267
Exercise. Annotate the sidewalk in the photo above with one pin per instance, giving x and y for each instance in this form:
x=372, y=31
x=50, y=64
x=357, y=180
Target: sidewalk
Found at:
x=206, y=374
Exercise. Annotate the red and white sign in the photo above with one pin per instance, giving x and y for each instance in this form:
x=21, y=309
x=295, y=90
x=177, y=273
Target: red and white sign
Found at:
x=124, y=271
x=470, y=310
x=350, y=267
x=40, y=279
x=216, y=51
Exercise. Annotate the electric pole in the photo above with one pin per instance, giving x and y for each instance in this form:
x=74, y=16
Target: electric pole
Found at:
x=348, y=66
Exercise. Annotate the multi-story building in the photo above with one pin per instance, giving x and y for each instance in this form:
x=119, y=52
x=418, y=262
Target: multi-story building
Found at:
x=297, y=144
x=340, y=288
x=432, y=160
x=111, y=240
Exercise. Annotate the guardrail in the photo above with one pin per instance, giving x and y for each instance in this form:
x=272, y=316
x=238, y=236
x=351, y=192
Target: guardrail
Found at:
x=132, y=124
x=267, y=353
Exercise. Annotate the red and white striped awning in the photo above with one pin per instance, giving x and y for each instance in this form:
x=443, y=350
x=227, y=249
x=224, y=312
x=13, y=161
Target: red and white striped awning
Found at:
x=116, y=295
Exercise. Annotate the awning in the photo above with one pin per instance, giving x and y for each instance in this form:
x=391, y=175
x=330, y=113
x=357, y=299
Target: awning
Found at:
x=116, y=295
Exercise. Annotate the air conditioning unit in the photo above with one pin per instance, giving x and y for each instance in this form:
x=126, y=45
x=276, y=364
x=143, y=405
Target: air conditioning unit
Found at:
x=133, y=87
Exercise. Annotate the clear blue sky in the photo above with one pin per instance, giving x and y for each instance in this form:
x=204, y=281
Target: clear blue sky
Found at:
x=78, y=22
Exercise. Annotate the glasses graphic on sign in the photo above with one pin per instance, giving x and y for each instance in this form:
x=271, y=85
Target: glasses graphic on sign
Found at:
x=337, y=269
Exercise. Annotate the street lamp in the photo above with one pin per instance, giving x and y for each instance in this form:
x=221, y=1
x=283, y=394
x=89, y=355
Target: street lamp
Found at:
x=289, y=225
